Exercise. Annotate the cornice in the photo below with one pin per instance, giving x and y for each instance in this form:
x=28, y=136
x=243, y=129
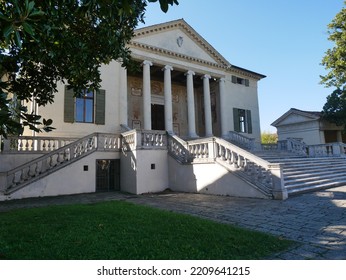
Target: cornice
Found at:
x=182, y=57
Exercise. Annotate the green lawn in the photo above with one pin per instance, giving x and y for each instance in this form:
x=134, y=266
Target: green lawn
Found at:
x=122, y=230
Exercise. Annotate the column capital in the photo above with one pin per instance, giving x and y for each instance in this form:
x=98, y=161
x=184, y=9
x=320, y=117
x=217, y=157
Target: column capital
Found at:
x=190, y=72
x=222, y=80
x=167, y=67
x=147, y=62
x=206, y=76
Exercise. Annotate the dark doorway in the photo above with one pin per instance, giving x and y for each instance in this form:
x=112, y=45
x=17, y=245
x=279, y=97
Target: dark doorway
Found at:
x=157, y=117
x=107, y=175
x=330, y=136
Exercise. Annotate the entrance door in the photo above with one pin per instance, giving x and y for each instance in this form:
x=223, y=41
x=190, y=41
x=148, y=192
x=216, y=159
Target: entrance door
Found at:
x=107, y=175
x=157, y=117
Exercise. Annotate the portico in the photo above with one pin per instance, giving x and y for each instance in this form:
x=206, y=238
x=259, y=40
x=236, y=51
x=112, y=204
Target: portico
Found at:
x=185, y=96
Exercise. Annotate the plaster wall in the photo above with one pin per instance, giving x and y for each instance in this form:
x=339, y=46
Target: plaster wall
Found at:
x=110, y=75
x=242, y=97
x=309, y=132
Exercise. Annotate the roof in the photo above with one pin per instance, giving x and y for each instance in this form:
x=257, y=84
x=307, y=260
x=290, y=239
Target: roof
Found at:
x=307, y=115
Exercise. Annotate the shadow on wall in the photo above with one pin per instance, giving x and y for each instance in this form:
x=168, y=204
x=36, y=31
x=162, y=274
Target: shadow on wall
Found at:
x=209, y=178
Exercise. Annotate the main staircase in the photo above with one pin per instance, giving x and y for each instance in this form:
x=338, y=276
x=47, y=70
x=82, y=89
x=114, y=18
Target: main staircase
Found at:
x=288, y=168
x=309, y=174
x=309, y=168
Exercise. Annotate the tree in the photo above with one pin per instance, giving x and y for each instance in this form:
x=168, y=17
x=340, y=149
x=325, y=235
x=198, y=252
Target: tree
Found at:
x=269, y=138
x=44, y=42
x=335, y=108
x=334, y=60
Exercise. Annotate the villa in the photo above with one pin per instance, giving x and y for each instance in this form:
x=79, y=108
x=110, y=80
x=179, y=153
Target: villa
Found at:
x=187, y=121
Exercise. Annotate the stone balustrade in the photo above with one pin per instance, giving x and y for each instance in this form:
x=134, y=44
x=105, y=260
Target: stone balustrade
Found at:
x=327, y=150
x=31, y=144
x=241, y=140
x=264, y=175
x=144, y=139
x=56, y=159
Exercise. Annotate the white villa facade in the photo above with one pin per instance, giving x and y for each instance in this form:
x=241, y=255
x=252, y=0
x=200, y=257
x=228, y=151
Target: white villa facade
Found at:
x=146, y=131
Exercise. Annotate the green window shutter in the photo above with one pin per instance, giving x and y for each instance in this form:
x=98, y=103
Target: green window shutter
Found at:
x=234, y=79
x=247, y=82
x=248, y=121
x=69, y=105
x=236, y=119
x=100, y=106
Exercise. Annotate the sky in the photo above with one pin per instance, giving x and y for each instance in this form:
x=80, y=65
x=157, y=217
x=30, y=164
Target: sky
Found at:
x=282, y=39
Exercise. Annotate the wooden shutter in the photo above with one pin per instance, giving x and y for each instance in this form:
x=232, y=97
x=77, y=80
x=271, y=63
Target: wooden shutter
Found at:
x=247, y=82
x=234, y=79
x=69, y=105
x=236, y=119
x=248, y=121
x=100, y=106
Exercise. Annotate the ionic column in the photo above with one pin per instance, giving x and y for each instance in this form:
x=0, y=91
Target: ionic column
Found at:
x=190, y=104
x=207, y=106
x=168, y=98
x=123, y=97
x=146, y=95
x=223, y=107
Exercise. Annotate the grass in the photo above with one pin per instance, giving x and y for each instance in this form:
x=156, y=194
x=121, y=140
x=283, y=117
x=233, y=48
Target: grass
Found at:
x=122, y=230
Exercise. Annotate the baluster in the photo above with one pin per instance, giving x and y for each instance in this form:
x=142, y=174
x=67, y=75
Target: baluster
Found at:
x=49, y=145
x=268, y=178
x=44, y=148
x=17, y=177
x=239, y=162
x=227, y=155
x=32, y=170
x=32, y=147
x=20, y=145
x=223, y=153
x=38, y=169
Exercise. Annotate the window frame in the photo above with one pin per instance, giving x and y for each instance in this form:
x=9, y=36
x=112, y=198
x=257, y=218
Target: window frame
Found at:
x=85, y=107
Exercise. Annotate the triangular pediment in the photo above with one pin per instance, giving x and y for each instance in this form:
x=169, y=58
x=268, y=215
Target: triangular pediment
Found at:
x=177, y=38
x=294, y=116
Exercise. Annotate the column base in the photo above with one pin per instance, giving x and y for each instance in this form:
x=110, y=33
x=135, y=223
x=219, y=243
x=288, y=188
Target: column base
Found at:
x=193, y=135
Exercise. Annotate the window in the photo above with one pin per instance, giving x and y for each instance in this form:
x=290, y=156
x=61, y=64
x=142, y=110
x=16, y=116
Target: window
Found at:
x=84, y=111
x=240, y=81
x=242, y=120
x=89, y=108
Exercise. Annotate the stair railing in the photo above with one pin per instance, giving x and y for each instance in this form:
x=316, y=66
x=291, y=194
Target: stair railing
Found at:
x=27, y=173
x=265, y=176
x=241, y=140
x=34, y=144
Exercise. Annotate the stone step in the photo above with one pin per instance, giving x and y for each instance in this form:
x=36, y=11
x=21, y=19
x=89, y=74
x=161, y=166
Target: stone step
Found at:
x=310, y=188
x=291, y=170
x=306, y=173
x=303, y=174
x=312, y=179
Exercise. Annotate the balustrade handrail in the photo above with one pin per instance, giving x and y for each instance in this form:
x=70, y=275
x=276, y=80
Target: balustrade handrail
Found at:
x=264, y=175
x=241, y=139
x=34, y=144
x=244, y=153
x=39, y=167
x=145, y=139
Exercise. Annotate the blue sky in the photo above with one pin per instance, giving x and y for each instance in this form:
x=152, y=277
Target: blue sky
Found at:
x=284, y=40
